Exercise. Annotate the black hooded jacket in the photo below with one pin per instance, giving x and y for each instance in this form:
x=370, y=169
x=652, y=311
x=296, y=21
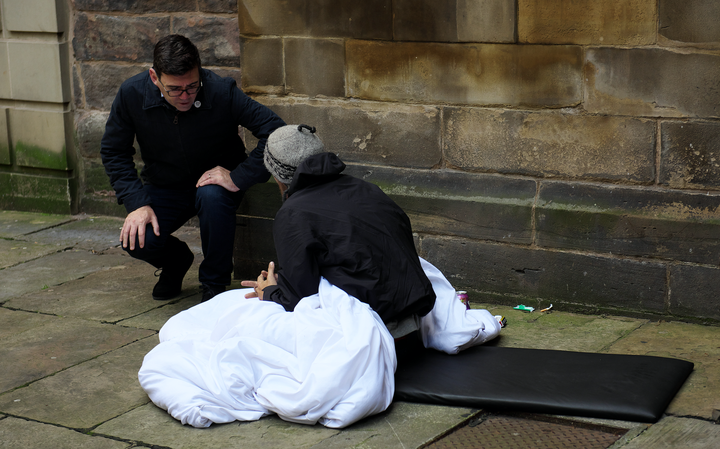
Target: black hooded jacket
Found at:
x=348, y=231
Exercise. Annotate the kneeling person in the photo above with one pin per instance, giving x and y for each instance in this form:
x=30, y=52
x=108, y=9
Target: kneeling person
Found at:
x=341, y=228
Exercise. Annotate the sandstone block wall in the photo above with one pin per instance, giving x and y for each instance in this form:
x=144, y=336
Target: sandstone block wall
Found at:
x=38, y=167
x=547, y=151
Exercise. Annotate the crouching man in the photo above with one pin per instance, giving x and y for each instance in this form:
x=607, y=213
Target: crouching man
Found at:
x=185, y=120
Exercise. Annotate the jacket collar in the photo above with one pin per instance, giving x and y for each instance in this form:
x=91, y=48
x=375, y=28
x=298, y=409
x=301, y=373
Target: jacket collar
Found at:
x=152, y=97
x=317, y=169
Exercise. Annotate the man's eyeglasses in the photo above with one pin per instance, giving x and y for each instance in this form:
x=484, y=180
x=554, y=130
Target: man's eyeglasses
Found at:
x=176, y=91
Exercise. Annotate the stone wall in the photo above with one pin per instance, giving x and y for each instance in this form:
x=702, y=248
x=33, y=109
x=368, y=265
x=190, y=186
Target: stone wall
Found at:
x=547, y=151
x=38, y=167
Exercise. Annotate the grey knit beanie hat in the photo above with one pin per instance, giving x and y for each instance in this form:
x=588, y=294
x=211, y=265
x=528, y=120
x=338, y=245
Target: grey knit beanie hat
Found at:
x=287, y=147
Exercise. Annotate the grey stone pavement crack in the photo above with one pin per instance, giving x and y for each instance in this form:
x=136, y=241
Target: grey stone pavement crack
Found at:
x=77, y=318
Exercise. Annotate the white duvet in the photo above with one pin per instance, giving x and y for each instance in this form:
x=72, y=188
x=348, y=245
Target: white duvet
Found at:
x=330, y=361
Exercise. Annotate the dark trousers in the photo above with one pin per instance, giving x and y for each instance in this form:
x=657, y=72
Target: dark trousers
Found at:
x=215, y=208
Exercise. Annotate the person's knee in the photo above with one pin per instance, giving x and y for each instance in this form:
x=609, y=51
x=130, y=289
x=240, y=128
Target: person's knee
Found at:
x=151, y=249
x=212, y=194
x=215, y=198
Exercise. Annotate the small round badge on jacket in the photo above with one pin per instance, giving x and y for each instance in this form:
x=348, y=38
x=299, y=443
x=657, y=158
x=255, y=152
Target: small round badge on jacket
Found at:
x=197, y=104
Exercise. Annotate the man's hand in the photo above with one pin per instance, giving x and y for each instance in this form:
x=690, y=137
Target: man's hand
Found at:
x=220, y=176
x=135, y=225
x=266, y=278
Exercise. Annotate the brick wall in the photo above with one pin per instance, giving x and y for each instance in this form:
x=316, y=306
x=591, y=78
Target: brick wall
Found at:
x=547, y=151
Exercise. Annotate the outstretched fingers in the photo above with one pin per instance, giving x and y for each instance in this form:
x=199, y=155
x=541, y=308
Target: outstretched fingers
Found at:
x=266, y=278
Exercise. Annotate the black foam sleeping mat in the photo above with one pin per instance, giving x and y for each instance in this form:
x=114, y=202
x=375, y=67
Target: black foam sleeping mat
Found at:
x=611, y=386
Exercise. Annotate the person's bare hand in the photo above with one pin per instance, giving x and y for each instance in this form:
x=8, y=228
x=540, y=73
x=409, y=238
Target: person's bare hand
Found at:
x=135, y=225
x=220, y=176
x=265, y=279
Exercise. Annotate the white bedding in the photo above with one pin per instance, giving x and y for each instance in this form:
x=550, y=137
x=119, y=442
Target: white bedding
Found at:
x=330, y=361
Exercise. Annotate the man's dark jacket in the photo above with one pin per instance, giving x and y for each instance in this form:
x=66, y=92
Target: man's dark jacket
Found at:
x=178, y=147
x=348, y=231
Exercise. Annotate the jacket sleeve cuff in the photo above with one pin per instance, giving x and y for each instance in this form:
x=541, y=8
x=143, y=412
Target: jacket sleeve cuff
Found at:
x=275, y=294
x=136, y=201
x=252, y=171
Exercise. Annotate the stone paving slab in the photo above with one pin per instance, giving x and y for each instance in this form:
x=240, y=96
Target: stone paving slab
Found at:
x=21, y=434
x=87, y=394
x=110, y=295
x=74, y=296
x=700, y=394
x=404, y=425
x=89, y=233
x=12, y=322
x=43, y=345
x=14, y=224
x=560, y=331
x=14, y=252
x=676, y=433
x=52, y=270
x=156, y=318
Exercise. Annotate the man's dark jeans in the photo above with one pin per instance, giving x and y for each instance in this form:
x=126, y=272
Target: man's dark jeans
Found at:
x=215, y=208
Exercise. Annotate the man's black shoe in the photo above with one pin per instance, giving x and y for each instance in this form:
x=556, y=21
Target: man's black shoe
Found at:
x=169, y=285
x=210, y=291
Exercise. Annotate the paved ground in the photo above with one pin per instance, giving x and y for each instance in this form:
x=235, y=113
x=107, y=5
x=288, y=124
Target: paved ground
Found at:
x=76, y=319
